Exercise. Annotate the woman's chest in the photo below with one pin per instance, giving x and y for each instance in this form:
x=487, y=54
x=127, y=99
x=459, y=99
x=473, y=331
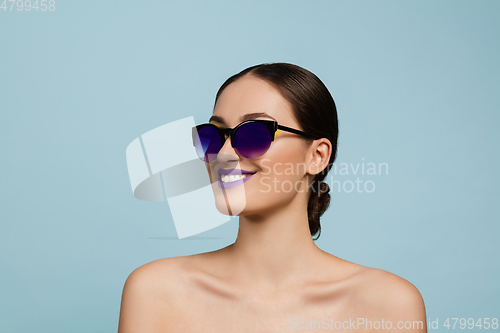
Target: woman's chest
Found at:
x=209, y=312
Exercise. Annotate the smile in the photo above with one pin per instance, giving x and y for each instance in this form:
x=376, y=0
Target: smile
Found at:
x=231, y=178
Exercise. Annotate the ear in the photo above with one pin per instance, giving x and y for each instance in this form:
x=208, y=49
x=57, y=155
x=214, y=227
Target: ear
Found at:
x=319, y=155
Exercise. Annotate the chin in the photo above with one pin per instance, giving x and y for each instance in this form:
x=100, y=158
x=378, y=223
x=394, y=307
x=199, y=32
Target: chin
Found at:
x=229, y=201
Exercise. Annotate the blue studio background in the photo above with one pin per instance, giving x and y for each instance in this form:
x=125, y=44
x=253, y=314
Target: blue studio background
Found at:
x=416, y=86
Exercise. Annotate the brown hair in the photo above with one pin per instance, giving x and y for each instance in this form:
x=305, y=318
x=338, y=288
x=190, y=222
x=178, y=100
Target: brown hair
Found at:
x=315, y=111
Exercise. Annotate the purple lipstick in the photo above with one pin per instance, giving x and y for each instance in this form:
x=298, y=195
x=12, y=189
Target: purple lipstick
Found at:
x=229, y=178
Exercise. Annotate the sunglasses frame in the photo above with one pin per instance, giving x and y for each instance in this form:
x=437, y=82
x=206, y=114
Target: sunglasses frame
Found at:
x=224, y=133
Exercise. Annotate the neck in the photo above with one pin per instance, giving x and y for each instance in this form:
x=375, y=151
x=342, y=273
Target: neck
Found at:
x=275, y=249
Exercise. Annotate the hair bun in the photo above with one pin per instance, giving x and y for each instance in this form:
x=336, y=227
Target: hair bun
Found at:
x=324, y=188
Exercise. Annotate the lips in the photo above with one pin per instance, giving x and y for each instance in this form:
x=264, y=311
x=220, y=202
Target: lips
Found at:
x=229, y=178
x=234, y=171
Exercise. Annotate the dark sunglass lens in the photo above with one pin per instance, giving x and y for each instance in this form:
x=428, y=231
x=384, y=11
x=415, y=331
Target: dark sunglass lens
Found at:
x=208, y=143
x=252, y=140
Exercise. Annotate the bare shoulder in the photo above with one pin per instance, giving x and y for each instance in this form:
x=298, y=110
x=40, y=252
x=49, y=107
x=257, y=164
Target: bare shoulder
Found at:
x=161, y=280
x=167, y=278
x=158, y=272
x=388, y=296
x=388, y=287
x=149, y=292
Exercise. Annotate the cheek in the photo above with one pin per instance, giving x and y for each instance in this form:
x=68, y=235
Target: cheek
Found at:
x=283, y=172
x=287, y=163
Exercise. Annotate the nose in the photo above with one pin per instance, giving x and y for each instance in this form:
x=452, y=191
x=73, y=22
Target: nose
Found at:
x=227, y=153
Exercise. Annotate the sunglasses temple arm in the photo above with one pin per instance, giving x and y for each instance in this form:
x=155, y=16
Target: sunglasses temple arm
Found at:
x=292, y=130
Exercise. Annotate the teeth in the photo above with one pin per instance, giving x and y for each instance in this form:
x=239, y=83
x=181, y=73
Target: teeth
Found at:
x=232, y=178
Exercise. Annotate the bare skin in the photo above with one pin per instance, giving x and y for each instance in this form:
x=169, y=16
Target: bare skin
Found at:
x=273, y=278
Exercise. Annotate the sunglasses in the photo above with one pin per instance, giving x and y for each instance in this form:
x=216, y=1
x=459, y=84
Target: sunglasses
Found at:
x=250, y=139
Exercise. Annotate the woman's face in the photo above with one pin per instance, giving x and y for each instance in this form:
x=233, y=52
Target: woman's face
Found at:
x=276, y=177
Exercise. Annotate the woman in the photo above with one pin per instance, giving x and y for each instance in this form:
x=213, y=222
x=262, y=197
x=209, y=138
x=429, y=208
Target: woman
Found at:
x=271, y=141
